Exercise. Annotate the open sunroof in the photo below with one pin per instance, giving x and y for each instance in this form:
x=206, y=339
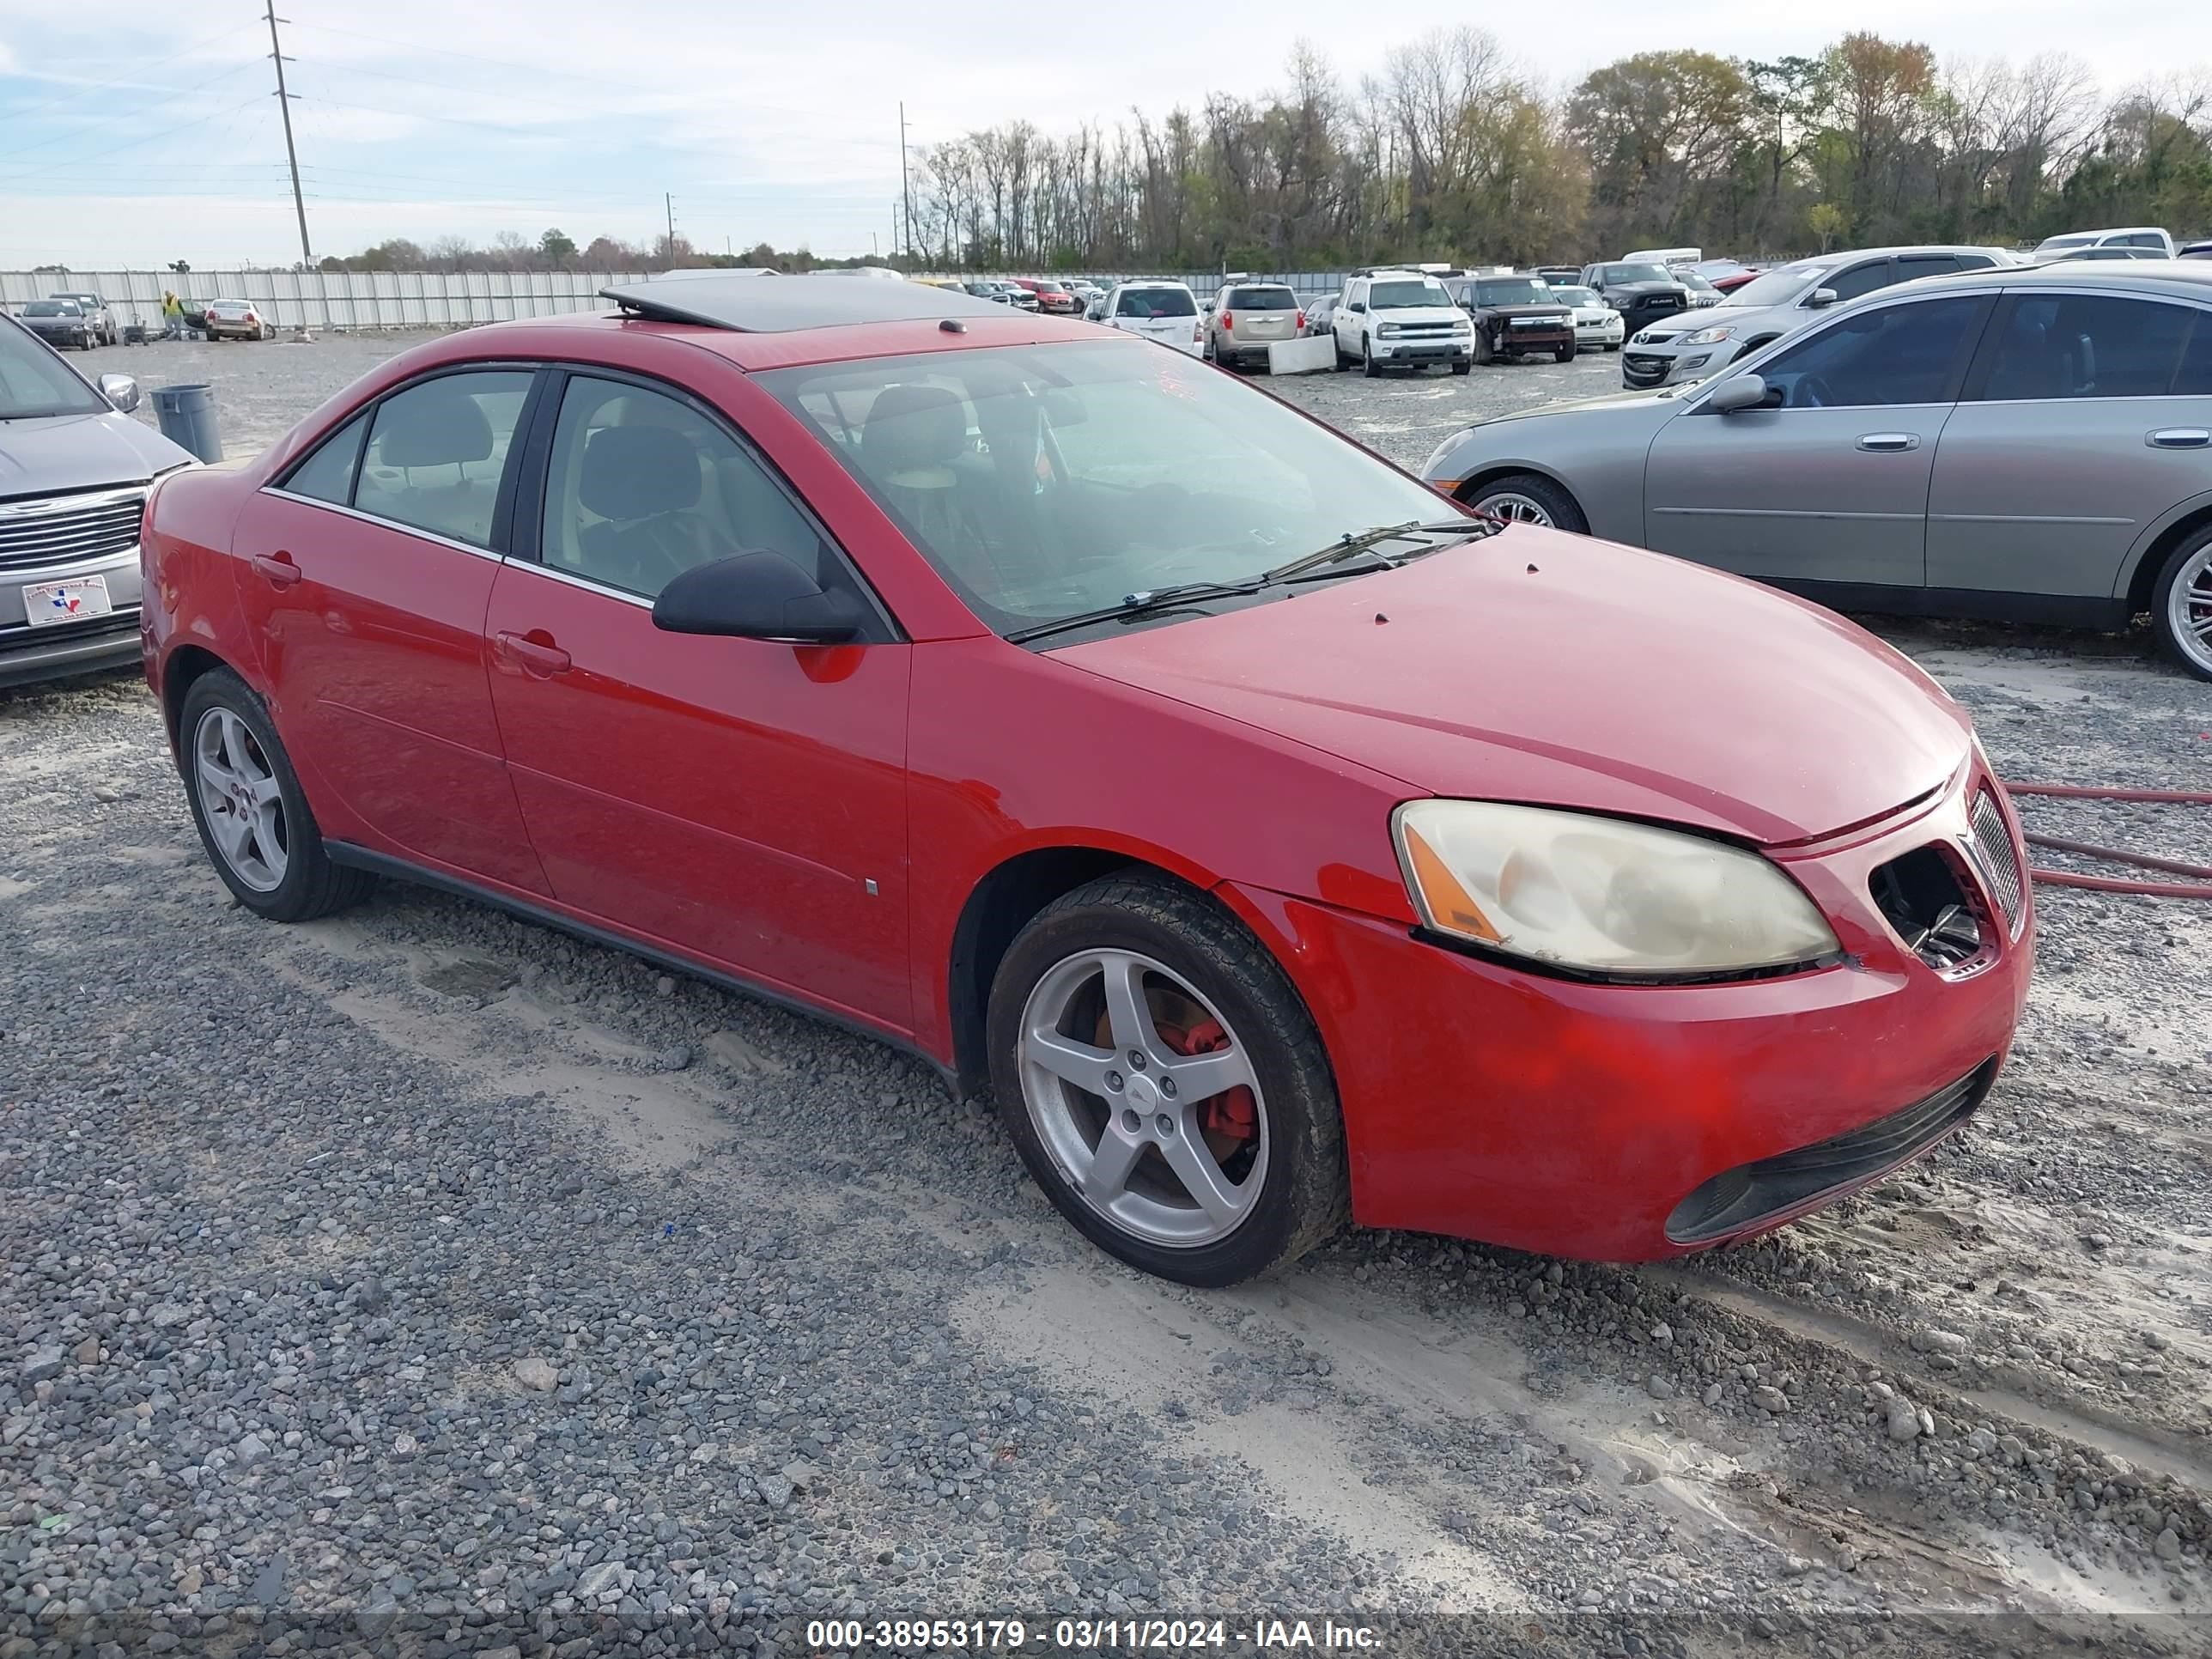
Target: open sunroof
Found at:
x=778, y=305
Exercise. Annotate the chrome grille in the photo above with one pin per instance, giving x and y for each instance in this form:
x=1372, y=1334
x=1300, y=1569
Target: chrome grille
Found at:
x=1994, y=857
x=69, y=529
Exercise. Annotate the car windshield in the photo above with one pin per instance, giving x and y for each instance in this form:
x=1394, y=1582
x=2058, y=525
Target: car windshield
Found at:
x=1043, y=481
x=1638, y=273
x=1402, y=295
x=1778, y=287
x=1690, y=279
x=1263, y=298
x=1576, y=296
x=34, y=382
x=1519, y=291
x=52, y=308
x=1156, y=302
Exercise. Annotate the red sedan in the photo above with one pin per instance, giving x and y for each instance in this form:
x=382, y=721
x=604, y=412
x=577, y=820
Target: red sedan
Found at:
x=1273, y=841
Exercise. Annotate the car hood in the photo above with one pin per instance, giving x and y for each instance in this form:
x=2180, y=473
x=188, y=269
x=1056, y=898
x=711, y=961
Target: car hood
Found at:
x=1616, y=404
x=1418, y=314
x=1739, y=317
x=1539, y=667
x=54, y=453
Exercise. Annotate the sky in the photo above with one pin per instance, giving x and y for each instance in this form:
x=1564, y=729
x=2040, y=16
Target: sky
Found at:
x=133, y=133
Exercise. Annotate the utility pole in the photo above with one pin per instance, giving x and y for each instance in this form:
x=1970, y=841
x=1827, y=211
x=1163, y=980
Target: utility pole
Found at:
x=906, y=191
x=284, y=106
x=670, y=203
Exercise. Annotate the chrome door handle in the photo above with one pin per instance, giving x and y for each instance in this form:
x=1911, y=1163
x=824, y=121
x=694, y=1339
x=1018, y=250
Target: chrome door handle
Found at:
x=2180, y=437
x=1890, y=443
x=278, y=569
x=538, y=657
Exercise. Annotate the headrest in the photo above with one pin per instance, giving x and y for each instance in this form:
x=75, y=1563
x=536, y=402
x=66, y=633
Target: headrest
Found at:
x=443, y=427
x=912, y=427
x=634, y=471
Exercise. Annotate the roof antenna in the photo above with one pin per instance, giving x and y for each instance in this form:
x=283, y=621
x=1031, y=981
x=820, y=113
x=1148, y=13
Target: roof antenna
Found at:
x=952, y=325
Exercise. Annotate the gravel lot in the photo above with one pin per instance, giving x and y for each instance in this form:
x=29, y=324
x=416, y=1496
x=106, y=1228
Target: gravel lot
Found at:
x=421, y=1273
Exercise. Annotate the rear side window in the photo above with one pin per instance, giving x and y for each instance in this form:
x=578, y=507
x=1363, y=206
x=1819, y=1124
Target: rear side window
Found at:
x=437, y=451
x=1156, y=302
x=1263, y=298
x=327, y=474
x=2052, y=346
x=2141, y=238
x=1855, y=280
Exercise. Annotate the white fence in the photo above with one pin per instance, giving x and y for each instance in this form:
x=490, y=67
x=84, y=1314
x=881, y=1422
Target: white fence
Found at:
x=412, y=299
x=332, y=299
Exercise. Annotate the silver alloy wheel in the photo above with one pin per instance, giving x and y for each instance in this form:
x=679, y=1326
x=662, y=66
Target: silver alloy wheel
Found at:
x=1124, y=1124
x=2188, y=608
x=241, y=800
x=1520, y=509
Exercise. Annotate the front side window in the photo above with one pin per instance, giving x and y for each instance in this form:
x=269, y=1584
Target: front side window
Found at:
x=2086, y=345
x=1044, y=481
x=1893, y=355
x=1154, y=302
x=1853, y=281
x=437, y=451
x=642, y=487
x=34, y=382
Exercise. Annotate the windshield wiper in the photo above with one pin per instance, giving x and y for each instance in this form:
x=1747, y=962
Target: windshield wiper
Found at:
x=1141, y=603
x=1360, y=541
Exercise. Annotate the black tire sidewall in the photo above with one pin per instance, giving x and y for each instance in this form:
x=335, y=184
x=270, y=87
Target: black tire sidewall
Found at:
x=306, y=873
x=1305, y=1158
x=1566, y=512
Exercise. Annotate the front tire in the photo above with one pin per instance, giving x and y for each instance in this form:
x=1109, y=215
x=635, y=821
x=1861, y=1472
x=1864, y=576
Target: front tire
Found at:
x=248, y=805
x=2181, y=605
x=1527, y=498
x=1565, y=353
x=1482, y=352
x=1165, y=1084
x=1368, y=366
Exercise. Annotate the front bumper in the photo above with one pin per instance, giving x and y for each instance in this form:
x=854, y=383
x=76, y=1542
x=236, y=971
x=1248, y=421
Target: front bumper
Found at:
x=1512, y=340
x=1488, y=1102
x=45, y=654
x=1458, y=349
x=63, y=336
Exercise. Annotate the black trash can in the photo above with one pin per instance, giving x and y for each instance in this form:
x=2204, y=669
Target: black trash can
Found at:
x=187, y=418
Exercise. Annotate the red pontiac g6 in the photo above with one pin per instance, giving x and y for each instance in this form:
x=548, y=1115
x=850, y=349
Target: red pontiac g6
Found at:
x=1271, y=842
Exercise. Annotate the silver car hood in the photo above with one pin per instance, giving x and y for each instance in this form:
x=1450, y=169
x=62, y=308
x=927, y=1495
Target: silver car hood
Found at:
x=53, y=454
x=1616, y=402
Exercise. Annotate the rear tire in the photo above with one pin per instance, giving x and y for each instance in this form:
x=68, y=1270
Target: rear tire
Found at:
x=2181, y=605
x=1528, y=498
x=230, y=754
x=1185, y=956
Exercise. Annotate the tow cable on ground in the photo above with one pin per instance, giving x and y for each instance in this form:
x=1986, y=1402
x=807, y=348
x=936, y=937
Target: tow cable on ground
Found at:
x=2200, y=888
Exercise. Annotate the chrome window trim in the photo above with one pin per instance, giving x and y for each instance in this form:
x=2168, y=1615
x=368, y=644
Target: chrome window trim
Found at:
x=495, y=556
x=606, y=589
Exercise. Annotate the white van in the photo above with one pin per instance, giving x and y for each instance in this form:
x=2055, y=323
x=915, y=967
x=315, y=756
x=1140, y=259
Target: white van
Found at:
x=1663, y=256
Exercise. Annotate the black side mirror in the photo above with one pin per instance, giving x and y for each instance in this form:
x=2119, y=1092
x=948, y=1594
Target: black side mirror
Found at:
x=756, y=596
x=1359, y=305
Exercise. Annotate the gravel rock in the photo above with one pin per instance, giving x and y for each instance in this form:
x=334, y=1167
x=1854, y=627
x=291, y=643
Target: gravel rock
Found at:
x=537, y=1374
x=43, y=1363
x=1903, y=1420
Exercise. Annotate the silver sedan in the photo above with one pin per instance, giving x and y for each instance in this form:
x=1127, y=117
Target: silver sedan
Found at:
x=2025, y=444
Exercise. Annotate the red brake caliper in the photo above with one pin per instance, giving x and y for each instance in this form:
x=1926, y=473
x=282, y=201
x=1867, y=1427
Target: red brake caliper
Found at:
x=1232, y=1113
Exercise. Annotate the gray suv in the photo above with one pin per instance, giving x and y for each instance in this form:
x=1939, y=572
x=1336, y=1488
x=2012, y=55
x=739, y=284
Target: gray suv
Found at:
x=2026, y=443
x=74, y=473
x=1691, y=346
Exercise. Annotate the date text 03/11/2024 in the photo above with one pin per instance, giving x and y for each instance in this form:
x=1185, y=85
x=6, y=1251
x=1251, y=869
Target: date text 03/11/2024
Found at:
x=1081, y=1635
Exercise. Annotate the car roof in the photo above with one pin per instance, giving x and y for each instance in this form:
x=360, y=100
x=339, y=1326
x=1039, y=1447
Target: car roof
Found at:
x=1155, y=282
x=2177, y=279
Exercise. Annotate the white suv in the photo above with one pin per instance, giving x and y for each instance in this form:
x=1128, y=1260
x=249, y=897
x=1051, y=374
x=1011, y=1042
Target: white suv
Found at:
x=1165, y=312
x=1401, y=319
x=2158, y=242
